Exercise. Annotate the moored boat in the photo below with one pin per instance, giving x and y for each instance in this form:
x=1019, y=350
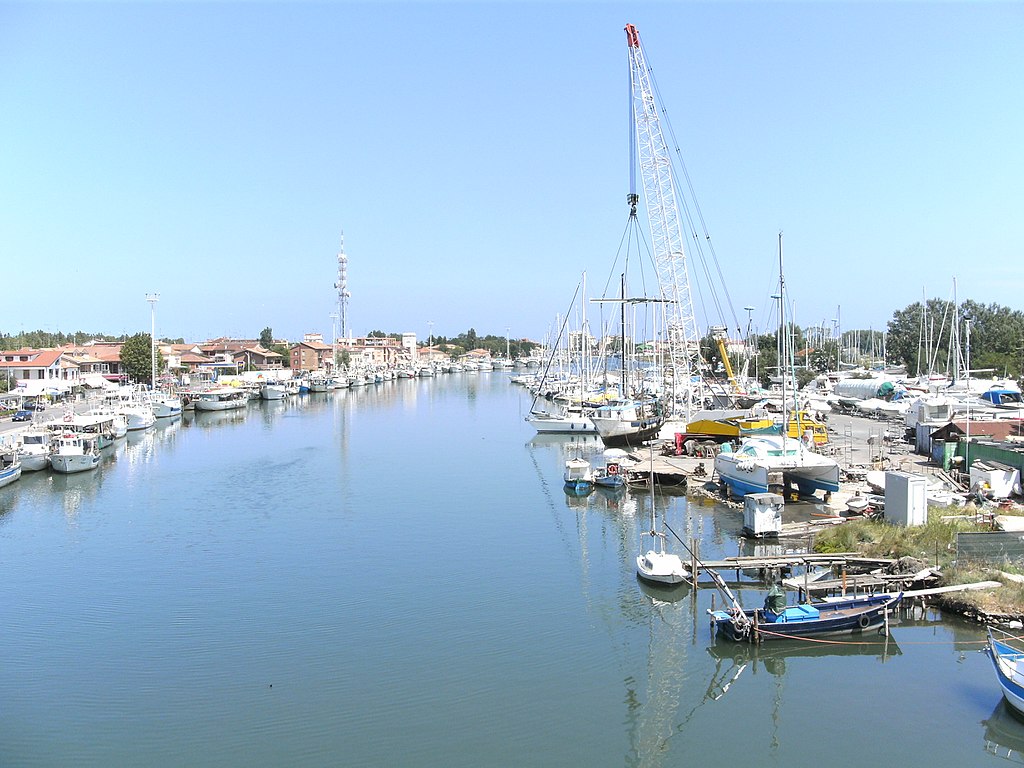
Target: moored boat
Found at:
x=1008, y=662
x=10, y=468
x=34, y=449
x=853, y=615
x=74, y=452
x=578, y=475
x=220, y=399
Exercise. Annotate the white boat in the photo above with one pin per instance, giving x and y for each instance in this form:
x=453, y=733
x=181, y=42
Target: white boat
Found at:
x=101, y=424
x=628, y=423
x=657, y=564
x=273, y=390
x=165, y=405
x=10, y=468
x=764, y=460
x=319, y=381
x=73, y=452
x=572, y=420
x=140, y=415
x=221, y=399
x=34, y=449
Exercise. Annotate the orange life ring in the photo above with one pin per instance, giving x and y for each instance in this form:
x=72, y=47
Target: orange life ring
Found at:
x=613, y=469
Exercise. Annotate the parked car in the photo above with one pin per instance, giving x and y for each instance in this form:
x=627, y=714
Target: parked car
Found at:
x=22, y=416
x=36, y=406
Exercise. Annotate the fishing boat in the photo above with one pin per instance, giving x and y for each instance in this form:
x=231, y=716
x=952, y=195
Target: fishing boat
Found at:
x=100, y=423
x=1009, y=665
x=608, y=473
x=10, y=468
x=34, y=449
x=578, y=475
x=273, y=390
x=775, y=621
x=74, y=452
x=220, y=399
x=165, y=405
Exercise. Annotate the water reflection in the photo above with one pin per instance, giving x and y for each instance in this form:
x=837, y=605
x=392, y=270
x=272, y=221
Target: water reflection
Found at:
x=1004, y=733
x=76, y=489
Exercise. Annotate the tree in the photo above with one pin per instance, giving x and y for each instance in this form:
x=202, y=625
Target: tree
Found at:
x=137, y=357
x=932, y=338
x=267, y=337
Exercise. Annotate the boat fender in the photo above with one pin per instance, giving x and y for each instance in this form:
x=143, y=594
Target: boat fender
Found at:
x=864, y=620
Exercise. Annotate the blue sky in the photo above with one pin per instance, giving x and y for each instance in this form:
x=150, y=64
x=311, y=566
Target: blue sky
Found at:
x=476, y=156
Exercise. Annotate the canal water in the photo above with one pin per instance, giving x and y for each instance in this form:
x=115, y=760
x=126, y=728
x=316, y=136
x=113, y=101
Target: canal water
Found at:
x=393, y=575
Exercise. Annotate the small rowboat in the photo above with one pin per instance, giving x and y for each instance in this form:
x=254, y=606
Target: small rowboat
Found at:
x=1009, y=665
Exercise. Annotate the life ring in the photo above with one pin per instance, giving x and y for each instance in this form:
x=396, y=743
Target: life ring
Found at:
x=864, y=621
x=68, y=417
x=613, y=469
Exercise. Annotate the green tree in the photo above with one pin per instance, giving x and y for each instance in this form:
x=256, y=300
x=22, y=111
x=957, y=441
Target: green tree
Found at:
x=267, y=337
x=137, y=358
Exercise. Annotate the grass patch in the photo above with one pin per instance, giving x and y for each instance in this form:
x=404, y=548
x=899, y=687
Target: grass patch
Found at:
x=934, y=542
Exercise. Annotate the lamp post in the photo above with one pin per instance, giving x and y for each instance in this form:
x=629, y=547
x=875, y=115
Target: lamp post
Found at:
x=152, y=298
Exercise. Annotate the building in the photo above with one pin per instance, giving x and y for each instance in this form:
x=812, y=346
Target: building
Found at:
x=310, y=356
x=377, y=351
x=258, y=358
x=39, y=371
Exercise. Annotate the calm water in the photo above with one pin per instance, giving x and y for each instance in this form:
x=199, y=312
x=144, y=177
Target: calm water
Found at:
x=394, y=576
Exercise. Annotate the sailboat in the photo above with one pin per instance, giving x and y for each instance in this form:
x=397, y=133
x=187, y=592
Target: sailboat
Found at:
x=657, y=565
x=638, y=415
x=764, y=459
x=570, y=418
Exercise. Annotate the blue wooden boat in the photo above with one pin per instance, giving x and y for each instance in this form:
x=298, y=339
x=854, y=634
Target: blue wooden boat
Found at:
x=852, y=615
x=1009, y=665
x=578, y=475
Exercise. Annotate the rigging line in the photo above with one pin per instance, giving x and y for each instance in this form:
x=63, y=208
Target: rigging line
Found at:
x=554, y=347
x=693, y=197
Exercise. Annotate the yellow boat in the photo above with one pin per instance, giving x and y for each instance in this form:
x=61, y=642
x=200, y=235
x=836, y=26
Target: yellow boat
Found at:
x=724, y=430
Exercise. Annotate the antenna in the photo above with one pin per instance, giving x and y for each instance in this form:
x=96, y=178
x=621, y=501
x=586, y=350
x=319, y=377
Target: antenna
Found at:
x=342, y=286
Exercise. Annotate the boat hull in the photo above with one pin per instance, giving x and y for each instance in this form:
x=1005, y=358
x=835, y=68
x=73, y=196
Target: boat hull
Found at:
x=34, y=462
x=1007, y=662
x=661, y=568
x=840, y=617
x=67, y=465
x=548, y=424
x=10, y=473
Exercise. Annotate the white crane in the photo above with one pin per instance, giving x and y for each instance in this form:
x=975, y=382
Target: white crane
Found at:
x=655, y=162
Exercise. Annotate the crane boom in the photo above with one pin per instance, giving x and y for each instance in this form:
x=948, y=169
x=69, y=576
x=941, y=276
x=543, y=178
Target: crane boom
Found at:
x=683, y=340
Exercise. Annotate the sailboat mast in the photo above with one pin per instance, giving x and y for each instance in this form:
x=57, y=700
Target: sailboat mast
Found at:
x=622, y=328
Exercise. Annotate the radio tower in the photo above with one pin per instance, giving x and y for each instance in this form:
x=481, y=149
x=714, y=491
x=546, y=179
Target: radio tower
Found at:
x=342, y=286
